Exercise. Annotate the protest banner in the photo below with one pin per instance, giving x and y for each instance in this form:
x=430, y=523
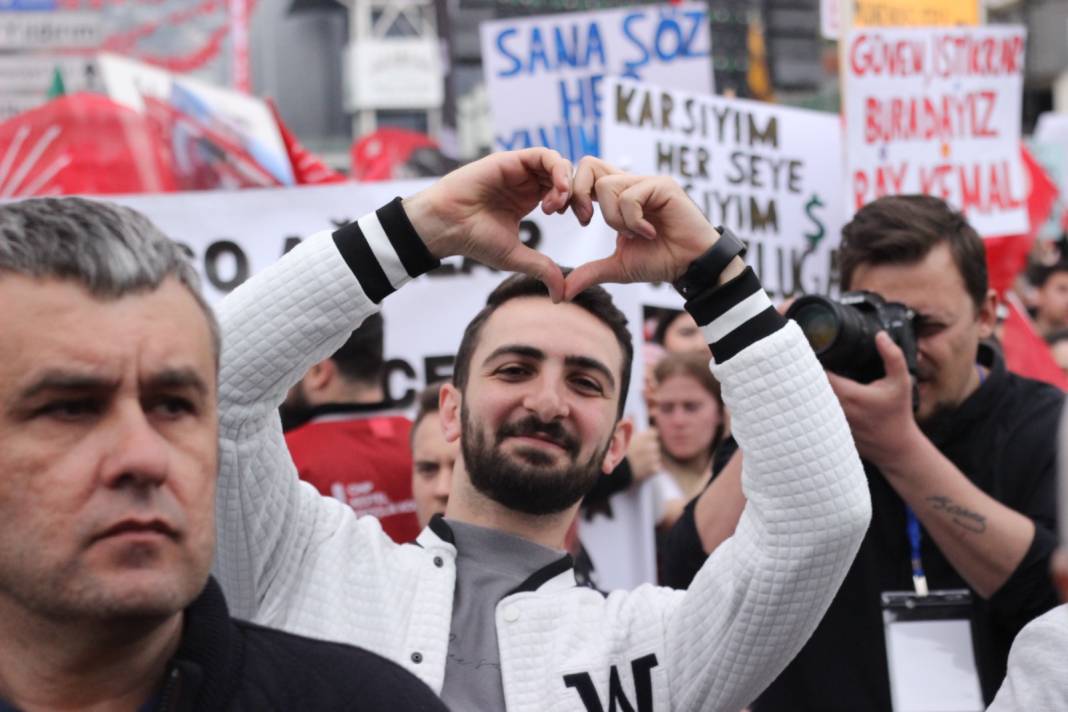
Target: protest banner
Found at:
x=545, y=75
x=937, y=111
x=232, y=235
x=772, y=174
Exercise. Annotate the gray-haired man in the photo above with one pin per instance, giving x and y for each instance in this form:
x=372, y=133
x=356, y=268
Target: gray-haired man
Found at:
x=109, y=454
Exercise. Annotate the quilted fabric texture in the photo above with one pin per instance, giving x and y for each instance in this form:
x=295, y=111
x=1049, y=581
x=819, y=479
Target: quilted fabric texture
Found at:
x=292, y=559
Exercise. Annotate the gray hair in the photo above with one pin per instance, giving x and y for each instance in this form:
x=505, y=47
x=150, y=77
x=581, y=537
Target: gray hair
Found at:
x=109, y=249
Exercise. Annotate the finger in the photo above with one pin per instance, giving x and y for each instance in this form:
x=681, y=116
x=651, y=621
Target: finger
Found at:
x=591, y=273
x=846, y=389
x=630, y=207
x=533, y=263
x=897, y=368
x=590, y=169
x=547, y=164
x=608, y=189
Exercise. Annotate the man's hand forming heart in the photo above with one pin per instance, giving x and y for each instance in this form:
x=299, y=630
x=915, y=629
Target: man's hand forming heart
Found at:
x=660, y=230
x=475, y=211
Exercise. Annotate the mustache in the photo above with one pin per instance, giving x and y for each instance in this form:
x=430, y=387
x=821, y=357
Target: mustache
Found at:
x=531, y=426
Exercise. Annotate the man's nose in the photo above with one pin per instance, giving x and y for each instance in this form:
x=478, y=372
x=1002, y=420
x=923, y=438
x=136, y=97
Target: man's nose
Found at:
x=547, y=399
x=137, y=452
x=443, y=482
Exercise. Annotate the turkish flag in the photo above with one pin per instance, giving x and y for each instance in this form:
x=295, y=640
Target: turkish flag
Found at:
x=1027, y=353
x=379, y=154
x=81, y=144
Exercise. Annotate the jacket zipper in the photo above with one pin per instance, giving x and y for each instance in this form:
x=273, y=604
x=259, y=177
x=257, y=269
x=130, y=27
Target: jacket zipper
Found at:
x=168, y=701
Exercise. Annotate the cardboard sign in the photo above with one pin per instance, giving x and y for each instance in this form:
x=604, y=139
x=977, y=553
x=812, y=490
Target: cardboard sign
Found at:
x=770, y=173
x=916, y=13
x=545, y=75
x=937, y=111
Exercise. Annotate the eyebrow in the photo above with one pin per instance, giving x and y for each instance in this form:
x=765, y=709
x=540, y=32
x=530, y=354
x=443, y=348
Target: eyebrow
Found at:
x=584, y=362
x=57, y=381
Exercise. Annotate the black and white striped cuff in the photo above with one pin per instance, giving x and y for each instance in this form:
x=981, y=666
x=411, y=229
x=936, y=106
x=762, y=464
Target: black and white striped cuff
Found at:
x=384, y=251
x=734, y=315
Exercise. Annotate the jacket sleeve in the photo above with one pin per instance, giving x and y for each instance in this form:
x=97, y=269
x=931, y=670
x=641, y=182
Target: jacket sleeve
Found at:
x=1035, y=680
x=760, y=595
x=274, y=327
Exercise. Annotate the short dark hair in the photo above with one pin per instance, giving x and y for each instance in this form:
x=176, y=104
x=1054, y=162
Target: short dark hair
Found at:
x=427, y=402
x=664, y=320
x=1039, y=274
x=903, y=229
x=595, y=300
x=361, y=358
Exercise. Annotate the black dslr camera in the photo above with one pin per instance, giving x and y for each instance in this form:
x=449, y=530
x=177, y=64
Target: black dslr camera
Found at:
x=843, y=333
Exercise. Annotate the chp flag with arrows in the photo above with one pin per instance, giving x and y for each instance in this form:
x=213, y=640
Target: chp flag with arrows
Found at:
x=770, y=173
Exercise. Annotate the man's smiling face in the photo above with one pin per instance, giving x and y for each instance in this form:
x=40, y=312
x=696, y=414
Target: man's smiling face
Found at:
x=539, y=412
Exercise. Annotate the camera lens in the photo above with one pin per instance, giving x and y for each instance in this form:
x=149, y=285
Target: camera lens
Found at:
x=819, y=323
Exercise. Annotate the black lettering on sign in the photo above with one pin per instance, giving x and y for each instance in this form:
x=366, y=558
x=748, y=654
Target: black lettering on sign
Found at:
x=215, y=252
x=392, y=366
x=641, y=669
x=438, y=368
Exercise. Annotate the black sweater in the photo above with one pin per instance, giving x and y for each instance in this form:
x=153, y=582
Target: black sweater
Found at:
x=1003, y=438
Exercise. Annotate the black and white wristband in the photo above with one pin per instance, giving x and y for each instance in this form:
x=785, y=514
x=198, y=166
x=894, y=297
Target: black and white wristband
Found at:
x=384, y=251
x=734, y=315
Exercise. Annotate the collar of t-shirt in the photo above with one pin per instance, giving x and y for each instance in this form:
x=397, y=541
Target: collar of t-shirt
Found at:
x=489, y=565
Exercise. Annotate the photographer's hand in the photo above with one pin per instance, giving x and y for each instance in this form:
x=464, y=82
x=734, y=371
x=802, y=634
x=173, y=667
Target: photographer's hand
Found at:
x=983, y=539
x=475, y=211
x=880, y=412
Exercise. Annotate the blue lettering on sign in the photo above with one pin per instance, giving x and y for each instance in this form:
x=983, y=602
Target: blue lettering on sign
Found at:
x=675, y=36
x=580, y=98
x=29, y=5
x=573, y=141
x=552, y=48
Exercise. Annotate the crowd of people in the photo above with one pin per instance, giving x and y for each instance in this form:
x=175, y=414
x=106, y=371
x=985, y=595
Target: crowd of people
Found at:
x=220, y=510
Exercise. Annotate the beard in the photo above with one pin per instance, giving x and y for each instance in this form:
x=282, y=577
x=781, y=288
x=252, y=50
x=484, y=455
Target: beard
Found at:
x=527, y=481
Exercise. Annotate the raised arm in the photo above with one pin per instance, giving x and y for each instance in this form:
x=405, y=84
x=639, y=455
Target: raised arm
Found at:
x=761, y=594
x=302, y=308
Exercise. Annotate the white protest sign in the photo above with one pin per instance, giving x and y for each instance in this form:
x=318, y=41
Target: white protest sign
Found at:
x=937, y=111
x=770, y=173
x=234, y=234
x=545, y=75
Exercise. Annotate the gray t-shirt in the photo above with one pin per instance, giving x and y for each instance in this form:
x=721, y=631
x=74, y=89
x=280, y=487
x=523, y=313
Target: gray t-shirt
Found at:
x=489, y=564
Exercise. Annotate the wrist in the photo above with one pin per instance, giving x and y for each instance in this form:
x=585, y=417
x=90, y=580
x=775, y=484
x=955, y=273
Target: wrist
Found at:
x=897, y=460
x=430, y=227
x=718, y=263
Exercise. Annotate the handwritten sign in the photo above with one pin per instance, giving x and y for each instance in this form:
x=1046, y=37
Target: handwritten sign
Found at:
x=545, y=75
x=916, y=13
x=937, y=111
x=770, y=173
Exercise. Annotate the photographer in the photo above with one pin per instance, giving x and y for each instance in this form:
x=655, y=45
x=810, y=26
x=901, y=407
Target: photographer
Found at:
x=974, y=463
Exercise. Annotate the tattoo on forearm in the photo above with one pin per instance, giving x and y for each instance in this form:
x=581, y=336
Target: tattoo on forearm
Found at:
x=962, y=517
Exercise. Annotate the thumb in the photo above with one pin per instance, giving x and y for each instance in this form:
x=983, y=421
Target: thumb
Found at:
x=586, y=275
x=531, y=262
x=897, y=368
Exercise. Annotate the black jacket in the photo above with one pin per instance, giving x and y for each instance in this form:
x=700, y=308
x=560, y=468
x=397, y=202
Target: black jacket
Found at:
x=227, y=664
x=1003, y=438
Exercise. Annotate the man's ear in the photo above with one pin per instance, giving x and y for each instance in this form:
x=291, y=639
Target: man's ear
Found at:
x=988, y=314
x=449, y=401
x=320, y=376
x=617, y=446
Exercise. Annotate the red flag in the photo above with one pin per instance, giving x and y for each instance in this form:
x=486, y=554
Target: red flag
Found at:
x=380, y=153
x=81, y=143
x=1027, y=353
x=308, y=169
x=1006, y=256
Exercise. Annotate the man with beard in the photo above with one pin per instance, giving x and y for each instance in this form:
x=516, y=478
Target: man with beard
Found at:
x=484, y=606
x=973, y=467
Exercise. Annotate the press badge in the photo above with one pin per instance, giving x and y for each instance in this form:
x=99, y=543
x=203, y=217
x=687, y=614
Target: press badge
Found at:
x=929, y=652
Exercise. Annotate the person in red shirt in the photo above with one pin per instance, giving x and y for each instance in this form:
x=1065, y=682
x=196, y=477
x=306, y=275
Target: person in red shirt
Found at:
x=347, y=440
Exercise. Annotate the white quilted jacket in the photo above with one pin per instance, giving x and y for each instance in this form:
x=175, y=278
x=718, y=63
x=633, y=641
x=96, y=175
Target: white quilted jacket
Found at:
x=292, y=559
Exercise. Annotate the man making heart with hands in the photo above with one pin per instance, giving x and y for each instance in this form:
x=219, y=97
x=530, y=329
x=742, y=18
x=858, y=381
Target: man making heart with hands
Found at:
x=484, y=606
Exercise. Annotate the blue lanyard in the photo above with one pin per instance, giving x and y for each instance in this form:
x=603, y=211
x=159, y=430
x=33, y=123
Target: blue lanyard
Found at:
x=912, y=526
